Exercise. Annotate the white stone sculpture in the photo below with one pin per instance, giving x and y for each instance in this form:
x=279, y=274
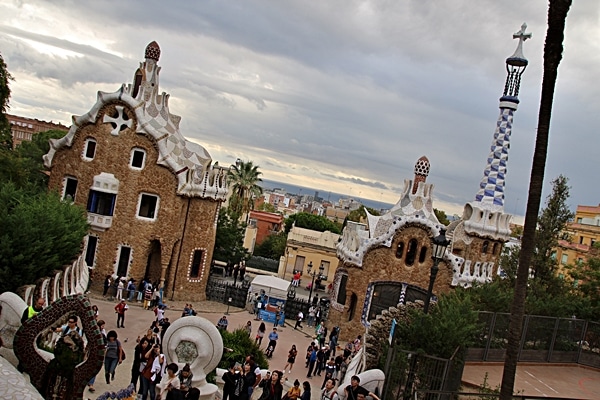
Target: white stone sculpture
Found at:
x=10, y=322
x=196, y=341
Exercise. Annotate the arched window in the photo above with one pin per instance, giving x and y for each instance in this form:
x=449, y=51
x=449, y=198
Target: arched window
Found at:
x=495, y=249
x=352, y=308
x=341, y=297
x=411, y=252
x=400, y=250
x=423, y=254
x=484, y=248
x=89, y=151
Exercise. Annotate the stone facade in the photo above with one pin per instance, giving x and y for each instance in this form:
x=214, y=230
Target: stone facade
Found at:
x=152, y=197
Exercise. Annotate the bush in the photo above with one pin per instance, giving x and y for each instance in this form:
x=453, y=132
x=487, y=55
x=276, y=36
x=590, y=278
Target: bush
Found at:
x=265, y=264
x=241, y=345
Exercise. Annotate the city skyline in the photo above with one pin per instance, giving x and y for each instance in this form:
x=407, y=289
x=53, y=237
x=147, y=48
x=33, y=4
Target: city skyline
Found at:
x=340, y=96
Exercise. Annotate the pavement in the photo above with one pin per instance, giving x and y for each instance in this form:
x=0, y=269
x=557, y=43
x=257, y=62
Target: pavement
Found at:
x=543, y=380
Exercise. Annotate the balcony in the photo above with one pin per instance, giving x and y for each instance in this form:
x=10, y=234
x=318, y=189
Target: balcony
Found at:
x=99, y=222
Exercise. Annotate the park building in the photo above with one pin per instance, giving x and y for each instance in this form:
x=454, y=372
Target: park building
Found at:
x=152, y=197
x=579, y=237
x=24, y=129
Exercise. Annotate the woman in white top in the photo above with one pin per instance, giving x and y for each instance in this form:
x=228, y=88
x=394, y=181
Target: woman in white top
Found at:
x=169, y=383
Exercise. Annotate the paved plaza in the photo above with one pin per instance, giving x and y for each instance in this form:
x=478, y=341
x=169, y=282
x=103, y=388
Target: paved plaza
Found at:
x=567, y=381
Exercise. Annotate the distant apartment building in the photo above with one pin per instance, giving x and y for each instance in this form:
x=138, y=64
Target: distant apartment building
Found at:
x=305, y=246
x=579, y=236
x=261, y=224
x=23, y=128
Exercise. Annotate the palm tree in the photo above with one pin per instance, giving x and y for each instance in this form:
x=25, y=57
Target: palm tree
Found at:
x=243, y=179
x=553, y=48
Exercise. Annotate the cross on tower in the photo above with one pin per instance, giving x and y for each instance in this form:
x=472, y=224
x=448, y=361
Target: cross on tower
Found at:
x=521, y=35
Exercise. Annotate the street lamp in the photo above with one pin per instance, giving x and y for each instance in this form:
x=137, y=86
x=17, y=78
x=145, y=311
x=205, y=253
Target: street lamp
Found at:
x=439, y=245
x=313, y=274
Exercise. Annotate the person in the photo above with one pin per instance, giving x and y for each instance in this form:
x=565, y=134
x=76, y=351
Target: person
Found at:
x=131, y=289
x=318, y=315
x=120, y=310
x=256, y=371
x=140, y=290
x=242, y=270
x=315, y=299
x=168, y=387
x=299, y=319
x=236, y=271
x=308, y=352
x=248, y=383
x=356, y=344
x=152, y=372
x=333, y=339
x=338, y=366
x=71, y=326
x=277, y=317
x=354, y=389
x=272, y=388
x=305, y=391
x=222, y=324
x=296, y=279
x=91, y=382
x=248, y=328
x=348, y=350
x=151, y=337
x=294, y=392
x=139, y=360
x=112, y=356
x=311, y=315
x=329, y=392
x=95, y=311
x=273, y=337
x=323, y=336
x=106, y=285
x=185, y=379
x=320, y=360
x=186, y=310
x=120, y=287
x=312, y=359
x=291, y=359
x=155, y=296
x=232, y=382
x=329, y=370
x=160, y=314
x=163, y=328
x=147, y=295
x=33, y=310
x=260, y=333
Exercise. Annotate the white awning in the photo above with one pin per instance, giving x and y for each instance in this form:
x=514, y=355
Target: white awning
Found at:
x=273, y=287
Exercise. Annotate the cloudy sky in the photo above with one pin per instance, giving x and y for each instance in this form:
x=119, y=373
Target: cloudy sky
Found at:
x=337, y=95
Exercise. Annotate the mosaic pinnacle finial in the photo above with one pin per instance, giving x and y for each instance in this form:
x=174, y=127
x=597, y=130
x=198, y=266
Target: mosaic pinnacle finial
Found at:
x=515, y=66
x=491, y=188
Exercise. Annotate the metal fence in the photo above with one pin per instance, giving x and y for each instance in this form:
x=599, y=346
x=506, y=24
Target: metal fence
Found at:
x=544, y=339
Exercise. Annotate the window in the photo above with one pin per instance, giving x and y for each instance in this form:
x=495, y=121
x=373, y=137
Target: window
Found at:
x=101, y=203
x=325, y=265
x=90, y=252
x=411, y=252
x=70, y=189
x=579, y=220
x=580, y=239
x=196, y=263
x=485, y=247
x=124, y=258
x=90, y=149
x=352, y=308
x=138, y=158
x=495, y=248
x=148, y=206
x=564, y=259
x=422, y=254
x=341, y=297
x=400, y=250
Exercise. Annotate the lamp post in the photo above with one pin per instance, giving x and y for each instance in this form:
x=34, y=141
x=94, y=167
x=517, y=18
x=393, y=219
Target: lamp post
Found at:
x=439, y=245
x=313, y=274
x=228, y=304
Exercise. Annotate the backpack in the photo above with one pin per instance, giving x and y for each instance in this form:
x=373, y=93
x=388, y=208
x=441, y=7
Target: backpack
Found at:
x=78, y=330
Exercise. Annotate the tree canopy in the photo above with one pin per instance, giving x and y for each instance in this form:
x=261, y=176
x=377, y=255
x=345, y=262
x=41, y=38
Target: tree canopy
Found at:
x=243, y=179
x=360, y=215
x=272, y=247
x=40, y=234
x=441, y=216
x=313, y=222
x=229, y=240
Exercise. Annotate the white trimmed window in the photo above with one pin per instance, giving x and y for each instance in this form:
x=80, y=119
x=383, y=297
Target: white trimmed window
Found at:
x=70, y=188
x=148, y=206
x=89, y=151
x=138, y=158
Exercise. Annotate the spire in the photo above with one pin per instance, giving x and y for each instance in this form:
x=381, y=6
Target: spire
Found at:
x=152, y=51
x=421, y=171
x=491, y=188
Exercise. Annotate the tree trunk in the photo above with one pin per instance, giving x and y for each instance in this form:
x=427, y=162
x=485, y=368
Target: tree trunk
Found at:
x=557, y=15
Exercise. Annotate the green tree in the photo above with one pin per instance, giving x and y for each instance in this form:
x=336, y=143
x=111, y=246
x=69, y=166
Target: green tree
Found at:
x=359, y=215
x=268, y=207
x=586, y=283
x=550, y=224
x=5, y=134
x=553, y=48
x=313, y=222
x=229, y=240
x=24, y=165
x=243, y=179
x=272, y=247
x=241, y=345
x=40, y=233
x=441, y=216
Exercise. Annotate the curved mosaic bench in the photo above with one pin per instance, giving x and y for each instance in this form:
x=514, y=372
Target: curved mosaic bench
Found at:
x=30, y=356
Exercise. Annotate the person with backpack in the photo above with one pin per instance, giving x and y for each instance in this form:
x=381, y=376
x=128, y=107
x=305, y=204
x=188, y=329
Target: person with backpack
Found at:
x=113, y=356
x=152, y=372
x=329, y=392
x=147, y=295
x=232, y=382
x=71, y=326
